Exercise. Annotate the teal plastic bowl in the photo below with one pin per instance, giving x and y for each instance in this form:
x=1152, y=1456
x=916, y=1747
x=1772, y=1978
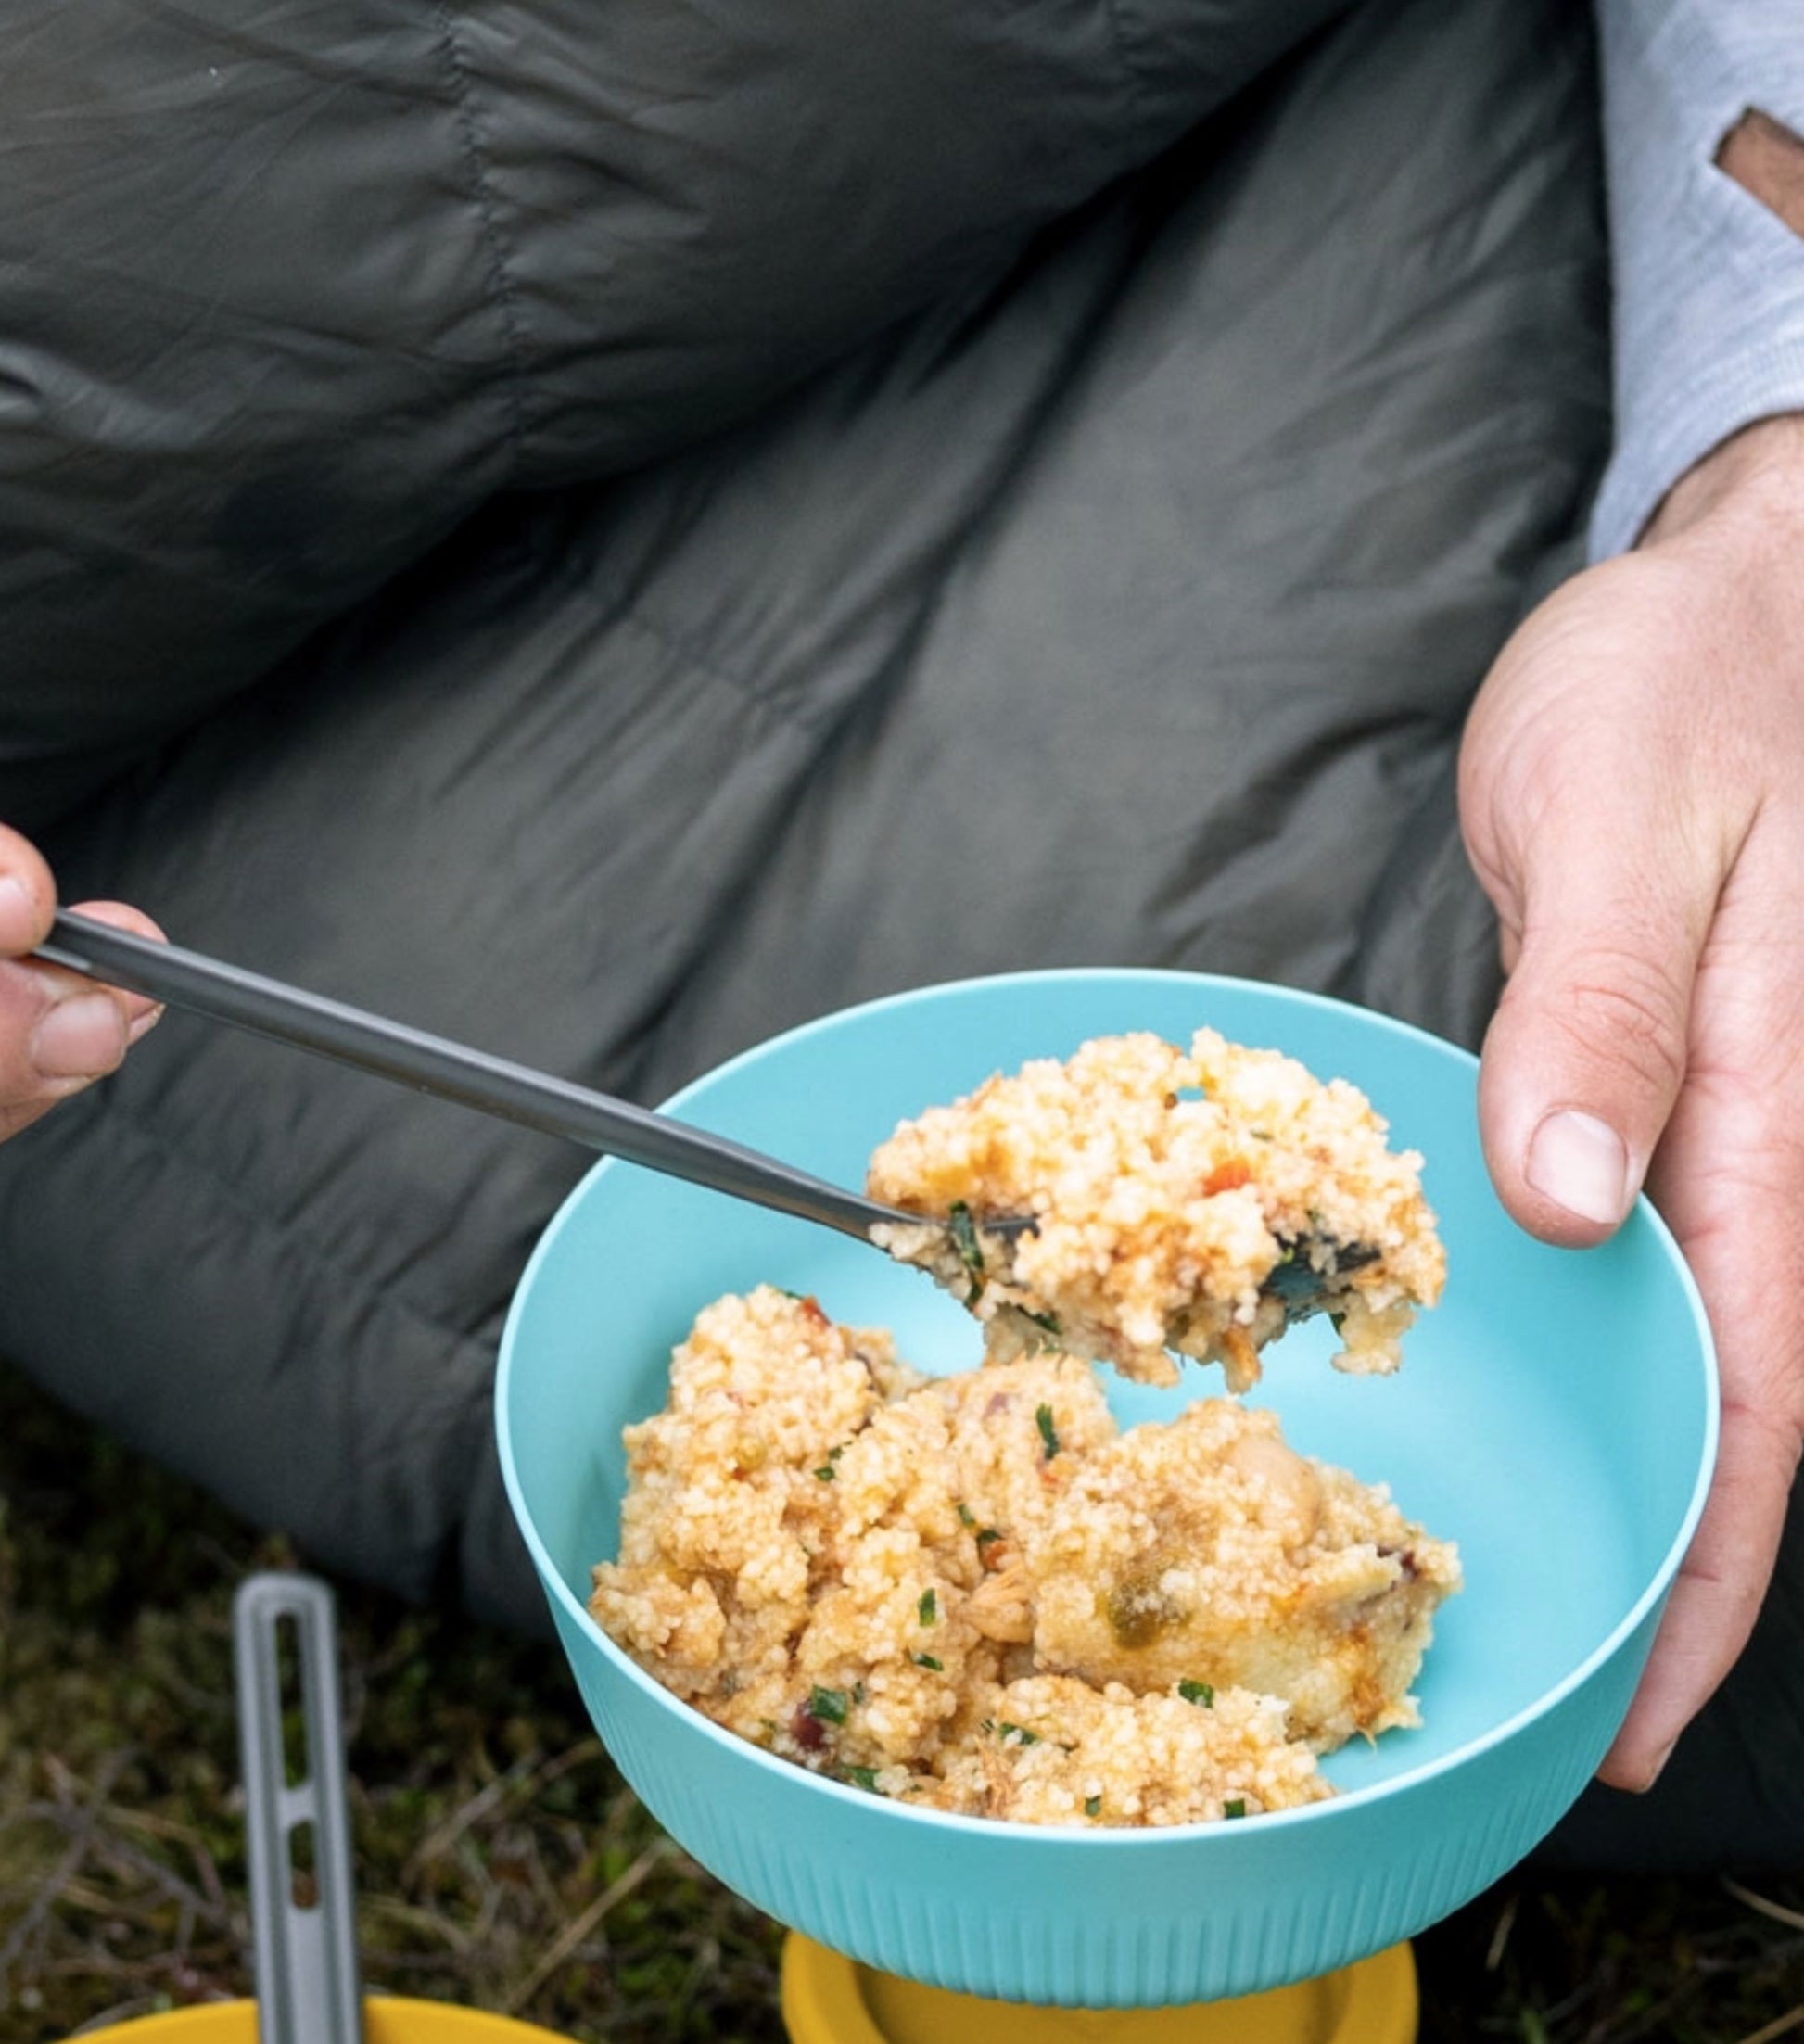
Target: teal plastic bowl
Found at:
x=1555, y=1415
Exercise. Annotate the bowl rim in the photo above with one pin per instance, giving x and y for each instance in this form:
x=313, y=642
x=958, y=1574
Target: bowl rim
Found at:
x=1098, y=1837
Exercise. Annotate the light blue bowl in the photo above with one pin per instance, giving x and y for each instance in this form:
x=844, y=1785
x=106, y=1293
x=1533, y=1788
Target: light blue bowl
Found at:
x=1555, y=1415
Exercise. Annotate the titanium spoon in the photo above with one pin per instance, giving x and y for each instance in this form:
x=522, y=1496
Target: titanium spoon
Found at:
x=454, y=1071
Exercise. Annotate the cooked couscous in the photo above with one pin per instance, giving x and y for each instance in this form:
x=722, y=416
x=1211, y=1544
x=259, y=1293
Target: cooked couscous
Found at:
x=976, y=1594
x=1196, y=1201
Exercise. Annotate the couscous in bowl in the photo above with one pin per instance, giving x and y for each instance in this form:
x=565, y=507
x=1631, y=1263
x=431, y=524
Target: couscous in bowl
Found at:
x=1555, y=1416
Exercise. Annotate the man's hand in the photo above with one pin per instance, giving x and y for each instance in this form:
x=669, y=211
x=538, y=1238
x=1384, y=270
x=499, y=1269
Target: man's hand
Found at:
x=58, y=1031
x=1632, y=790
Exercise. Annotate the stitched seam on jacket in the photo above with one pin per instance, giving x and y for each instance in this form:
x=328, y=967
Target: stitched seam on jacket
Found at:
x=1115, y=14
x=614, y=604
x=482, y=187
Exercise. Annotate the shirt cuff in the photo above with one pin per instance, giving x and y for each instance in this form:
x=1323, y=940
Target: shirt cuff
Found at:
x=1709, y=311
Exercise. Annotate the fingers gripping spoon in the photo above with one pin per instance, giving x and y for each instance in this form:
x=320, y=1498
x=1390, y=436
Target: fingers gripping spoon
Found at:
x=302, y=1893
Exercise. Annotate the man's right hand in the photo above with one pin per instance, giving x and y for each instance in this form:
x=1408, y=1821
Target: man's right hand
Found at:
x=58, y=1031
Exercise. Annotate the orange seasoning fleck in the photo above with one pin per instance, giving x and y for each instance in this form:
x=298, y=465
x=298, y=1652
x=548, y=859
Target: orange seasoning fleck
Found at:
x=1228, y=1178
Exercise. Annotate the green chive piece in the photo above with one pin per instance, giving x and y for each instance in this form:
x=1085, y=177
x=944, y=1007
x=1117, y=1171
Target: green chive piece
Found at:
x=828, y=1704
x=966, y=1515
x=1197, y=1693
x=825, y=1472
x=927, y=1660
x=1236, y=1807
x=970, y=1252
x=929, y=1606
x=1017, y=1731
x=1093, y=1806
x=1049, y=1433
x=987, y=1535
x=862, y=1777
x=1049, y=1321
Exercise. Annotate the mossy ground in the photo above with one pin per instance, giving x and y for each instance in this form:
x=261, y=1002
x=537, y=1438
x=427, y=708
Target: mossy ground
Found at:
x=502, y=1862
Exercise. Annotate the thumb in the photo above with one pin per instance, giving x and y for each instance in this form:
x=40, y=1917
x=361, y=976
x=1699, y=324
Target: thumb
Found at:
x=1586, y=1052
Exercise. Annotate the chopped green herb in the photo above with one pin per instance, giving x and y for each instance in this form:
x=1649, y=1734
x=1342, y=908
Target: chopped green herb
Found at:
x=966, y=1515
x=828, y=1704
x=1018, y=1733
x=862, y=1777
x=986, y=1535
x=857, y=1693
x=1236, y=1807
x=1093, y=1806
x=927, y=1660
x=1049, y=1433
x=825, y=1472
x=971, y=1253
x=1049, y=1321
x=1197, y=1693
x=929, y=1606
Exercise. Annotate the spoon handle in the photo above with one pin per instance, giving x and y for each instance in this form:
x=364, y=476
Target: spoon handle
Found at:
x=297, y=1825
x=451, y=1071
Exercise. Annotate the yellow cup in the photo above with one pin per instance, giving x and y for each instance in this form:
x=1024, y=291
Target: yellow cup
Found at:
x=388, y=2019
x=831, y=2000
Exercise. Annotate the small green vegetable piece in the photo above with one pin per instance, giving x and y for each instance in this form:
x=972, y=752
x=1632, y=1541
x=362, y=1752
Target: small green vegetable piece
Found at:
x=1093, y=1806
x=1048, y=1432
x=988, y=1534
x=929, y=1606
x=825, y=1472
x=966, y=1515
x=862, y=1777
x=828, y=1704
x=1049, y=1321
x=1236, y=1807
x=927, y=1660
x=1197, y=1693
x=1018, y=1733
x=971, y=1253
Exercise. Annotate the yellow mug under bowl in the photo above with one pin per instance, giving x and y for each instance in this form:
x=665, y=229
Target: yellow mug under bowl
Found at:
x=831, y=1999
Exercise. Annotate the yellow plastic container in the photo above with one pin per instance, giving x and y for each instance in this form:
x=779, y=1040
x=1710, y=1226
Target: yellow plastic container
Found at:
x=388, y=2019
x=831, y=2000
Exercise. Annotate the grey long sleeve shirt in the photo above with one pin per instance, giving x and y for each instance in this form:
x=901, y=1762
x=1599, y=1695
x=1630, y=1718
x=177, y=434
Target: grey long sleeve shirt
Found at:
x=1709, y=283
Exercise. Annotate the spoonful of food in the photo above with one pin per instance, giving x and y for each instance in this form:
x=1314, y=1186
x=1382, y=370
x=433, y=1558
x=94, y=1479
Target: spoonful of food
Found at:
x=996, y=1247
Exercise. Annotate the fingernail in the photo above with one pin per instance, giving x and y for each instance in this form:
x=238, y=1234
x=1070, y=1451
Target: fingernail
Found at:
x=80, y=1038
x=1579, y=1162
x=14, y=908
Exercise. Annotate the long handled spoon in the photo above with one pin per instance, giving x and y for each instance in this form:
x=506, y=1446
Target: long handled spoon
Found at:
x=454, y=1072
